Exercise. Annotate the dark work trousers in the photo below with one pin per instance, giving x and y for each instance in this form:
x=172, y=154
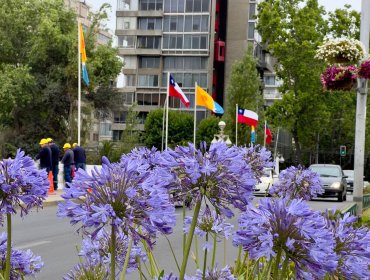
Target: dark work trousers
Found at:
x=55, y=170
x=67, y=174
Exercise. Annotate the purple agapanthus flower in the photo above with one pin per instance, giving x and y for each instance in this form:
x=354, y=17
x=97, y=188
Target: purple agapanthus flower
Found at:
x=152, y=156
x=297, y=182
x=223, y=274
x=22, y=185
x=86, y=270
x=220, y=175
x=292, y=227
x=352, y=246
x=209, y=222
x=97, y=251
x=166, y=277
x=258, y=158
x=117, y=196
x=22, y=263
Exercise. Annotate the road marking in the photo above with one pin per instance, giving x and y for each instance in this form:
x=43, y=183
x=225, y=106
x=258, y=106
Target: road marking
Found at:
x=33, y=244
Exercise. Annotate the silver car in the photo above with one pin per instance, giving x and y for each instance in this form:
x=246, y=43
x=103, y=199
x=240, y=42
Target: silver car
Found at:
x=350, y=175
x=333, y=180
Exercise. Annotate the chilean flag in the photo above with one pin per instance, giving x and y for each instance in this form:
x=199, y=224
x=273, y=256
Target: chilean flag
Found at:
x=268, y=135
x=175, y=90
x=248, y=117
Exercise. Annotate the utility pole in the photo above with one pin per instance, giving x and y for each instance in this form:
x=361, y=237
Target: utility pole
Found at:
x=361, y=113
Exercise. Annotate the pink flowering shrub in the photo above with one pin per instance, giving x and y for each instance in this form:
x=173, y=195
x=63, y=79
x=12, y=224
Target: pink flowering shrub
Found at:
x=364, y=70
x=339, y=77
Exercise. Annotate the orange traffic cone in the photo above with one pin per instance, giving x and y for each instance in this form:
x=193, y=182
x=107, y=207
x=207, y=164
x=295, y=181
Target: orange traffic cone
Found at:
x=50, y=178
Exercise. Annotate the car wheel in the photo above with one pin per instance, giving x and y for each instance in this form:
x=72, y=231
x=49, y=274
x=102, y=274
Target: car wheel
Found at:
x=340, y=196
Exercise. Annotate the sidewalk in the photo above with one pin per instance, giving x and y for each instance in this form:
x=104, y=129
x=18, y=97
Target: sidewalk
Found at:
x=54, y=198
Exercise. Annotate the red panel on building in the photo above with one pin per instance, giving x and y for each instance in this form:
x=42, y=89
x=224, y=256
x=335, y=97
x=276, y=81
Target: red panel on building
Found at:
x=219, y=50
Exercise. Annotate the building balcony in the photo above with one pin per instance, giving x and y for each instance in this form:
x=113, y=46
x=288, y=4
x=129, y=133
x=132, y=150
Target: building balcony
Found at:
x=136, y=32
x=132, y=51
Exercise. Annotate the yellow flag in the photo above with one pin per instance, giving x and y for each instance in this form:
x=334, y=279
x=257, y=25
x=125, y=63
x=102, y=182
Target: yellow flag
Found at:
x=205, y=100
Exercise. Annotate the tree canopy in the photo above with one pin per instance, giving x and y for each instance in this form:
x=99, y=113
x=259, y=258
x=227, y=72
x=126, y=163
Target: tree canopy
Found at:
x=38, y=69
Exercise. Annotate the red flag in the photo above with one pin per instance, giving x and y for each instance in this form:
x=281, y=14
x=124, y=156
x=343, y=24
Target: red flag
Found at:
x=268, y=135
x=175, y=90
x=248, y=117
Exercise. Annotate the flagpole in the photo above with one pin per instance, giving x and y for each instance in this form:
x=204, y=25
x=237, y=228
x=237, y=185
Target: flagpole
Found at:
x=236, y=126
x=79, y=87
x=168, y=96
x=264, y=135
x=163, y=120
x=195, y=112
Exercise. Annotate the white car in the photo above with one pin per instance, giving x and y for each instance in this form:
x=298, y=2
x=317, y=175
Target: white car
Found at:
x=267, y=180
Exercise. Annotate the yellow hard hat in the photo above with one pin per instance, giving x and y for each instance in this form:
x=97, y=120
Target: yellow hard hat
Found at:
x=67, y=146
x=49, y=140
x=43, y=141
x=74, y=144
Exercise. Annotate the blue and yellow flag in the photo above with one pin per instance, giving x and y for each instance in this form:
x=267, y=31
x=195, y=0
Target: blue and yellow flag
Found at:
x=83, y=57
x=205, y=100
x=253, y=135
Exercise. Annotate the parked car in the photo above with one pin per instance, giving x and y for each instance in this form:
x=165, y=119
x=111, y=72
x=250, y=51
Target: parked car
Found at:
x=267, y=180
x=333, y=180
x=350, y=177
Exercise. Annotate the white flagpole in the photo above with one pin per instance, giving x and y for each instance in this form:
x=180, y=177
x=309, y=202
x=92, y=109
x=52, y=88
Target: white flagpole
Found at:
x=236, y=126
x=163, y=120
x=195, y=112
x=264, y=135
x=79, y=87
x=168, y=99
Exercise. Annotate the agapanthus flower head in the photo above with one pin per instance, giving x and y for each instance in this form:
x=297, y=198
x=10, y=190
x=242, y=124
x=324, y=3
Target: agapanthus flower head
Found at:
x=166, y=277
x=152, y=156
x=258, y=158
x=352, y=246
x=22, y=185
x=117, y=195
x=209, y=222
x=219, y=174
x=22, y=263
x=292, y=227
x=97, y=251
x=213, y=274
x=297, y=182
x=86, y=270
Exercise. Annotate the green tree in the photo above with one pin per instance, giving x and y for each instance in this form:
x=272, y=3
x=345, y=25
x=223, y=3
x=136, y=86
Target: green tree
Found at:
x=180, y=128
x=245, y=90
x=292, y=31
x=207, y=128
x=344, y=23
x=38, y=70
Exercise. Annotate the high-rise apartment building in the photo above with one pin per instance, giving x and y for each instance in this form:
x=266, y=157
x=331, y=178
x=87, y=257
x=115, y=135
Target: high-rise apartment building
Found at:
x=194, y=40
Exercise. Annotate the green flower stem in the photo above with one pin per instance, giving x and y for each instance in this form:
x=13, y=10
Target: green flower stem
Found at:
x=205, y=259
x=126, y=260
x=184, y=234
x=214, y=250
x=277, y=262
x=190, y=238
x=173, y=253
x=139, y=266
x=8, y=245
x=196, y=252
x=113, y=254
x=285, y=267
x=238, y=266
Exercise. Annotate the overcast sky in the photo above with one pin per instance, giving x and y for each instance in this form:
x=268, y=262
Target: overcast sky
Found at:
x=329, y=5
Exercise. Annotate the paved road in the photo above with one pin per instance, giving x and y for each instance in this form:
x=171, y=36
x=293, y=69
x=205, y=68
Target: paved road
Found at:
x=55, y=240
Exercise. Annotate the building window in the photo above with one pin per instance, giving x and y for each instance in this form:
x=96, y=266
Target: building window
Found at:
x=150, y=23
x=148, y=99
x=126, y=41
x=151, y=5
x=148, y=81
x=149, y=62
x=148, y=42
x=123, y=5
x=187, y=80
x=105, y=129
x=117, y=135
x=126, y=98
x=172, y=41
x=95, y=137
x=185, y=63
x=129, y=80
x=252, y=10
x=142, y=117
x=126, y=23
x=197, y=6
x=130, y=62
x=120, y=117
x=186, y=23
x=269, y=80
x=251, y=27
x=174, y=6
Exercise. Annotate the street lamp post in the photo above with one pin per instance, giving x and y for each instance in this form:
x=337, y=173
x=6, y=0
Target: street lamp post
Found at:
x=221, y=137
x=361, y=114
